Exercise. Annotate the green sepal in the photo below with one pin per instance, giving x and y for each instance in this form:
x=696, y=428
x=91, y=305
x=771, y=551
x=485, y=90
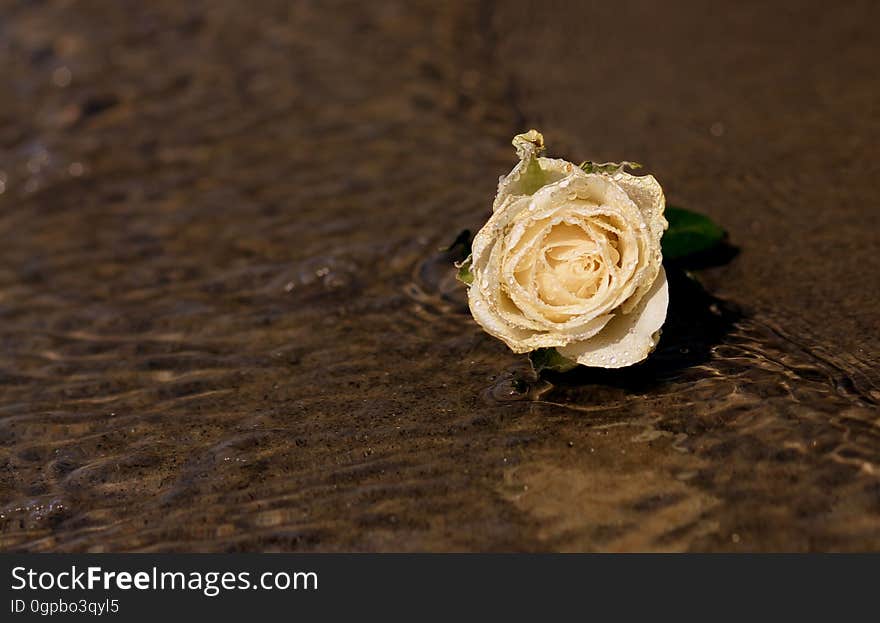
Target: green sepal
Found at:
x=464, y=271
x=608, y=167
x=550, y=359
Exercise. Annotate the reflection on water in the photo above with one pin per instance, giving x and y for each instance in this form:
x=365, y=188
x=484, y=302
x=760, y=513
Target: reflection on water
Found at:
x=229, y=327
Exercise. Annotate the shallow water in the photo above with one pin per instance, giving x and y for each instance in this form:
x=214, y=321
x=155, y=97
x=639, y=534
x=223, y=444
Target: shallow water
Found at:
x=226, y=324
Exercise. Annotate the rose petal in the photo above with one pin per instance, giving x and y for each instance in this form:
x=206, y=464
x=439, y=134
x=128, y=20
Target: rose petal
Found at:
x=517, y=338
x=647, y=194
x=512, y=185
x=628, y=338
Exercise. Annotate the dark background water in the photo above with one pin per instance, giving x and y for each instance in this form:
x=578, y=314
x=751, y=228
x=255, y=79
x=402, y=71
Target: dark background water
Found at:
x=225, y=323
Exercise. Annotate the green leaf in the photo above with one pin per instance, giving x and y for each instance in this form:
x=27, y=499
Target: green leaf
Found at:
x=550, y=359
x=608, y=167
x=688, y=233
x=464, y=271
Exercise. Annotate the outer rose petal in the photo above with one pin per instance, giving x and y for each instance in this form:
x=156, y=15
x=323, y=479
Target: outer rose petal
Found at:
x=553, y=170
x=628, y=338
x=518, y=339
x=482, y=312
x=646, y=192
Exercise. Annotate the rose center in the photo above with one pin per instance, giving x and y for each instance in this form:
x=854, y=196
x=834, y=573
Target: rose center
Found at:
x=575, y=263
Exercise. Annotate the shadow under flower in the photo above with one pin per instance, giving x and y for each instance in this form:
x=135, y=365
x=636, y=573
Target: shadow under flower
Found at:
x=696, y=321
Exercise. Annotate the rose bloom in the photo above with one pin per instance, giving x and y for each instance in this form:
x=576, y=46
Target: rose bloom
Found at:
x=572, y=260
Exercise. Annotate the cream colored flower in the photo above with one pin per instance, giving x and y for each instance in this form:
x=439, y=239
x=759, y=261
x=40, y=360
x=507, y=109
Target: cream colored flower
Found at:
x=572, y=260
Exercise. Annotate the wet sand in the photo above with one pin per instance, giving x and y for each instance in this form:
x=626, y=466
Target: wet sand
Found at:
x=226, y=324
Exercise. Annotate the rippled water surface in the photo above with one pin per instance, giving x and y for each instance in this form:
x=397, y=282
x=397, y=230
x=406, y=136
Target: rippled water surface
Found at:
x=226, y=324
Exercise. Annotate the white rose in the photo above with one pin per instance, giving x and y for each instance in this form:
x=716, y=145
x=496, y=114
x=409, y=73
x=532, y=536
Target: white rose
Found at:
x=572, y=260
